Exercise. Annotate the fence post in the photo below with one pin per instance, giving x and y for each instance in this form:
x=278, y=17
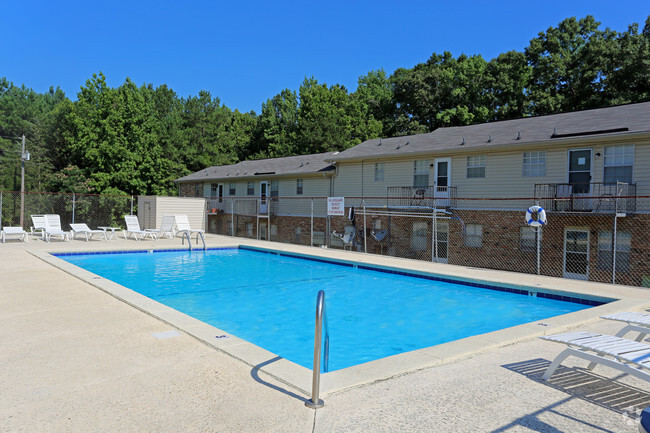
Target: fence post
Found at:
x=73, y=206
x=131, y=204
x=1, y=209
x=311, y=233
x=232, y=218
x=538, y=235
x=365, y=238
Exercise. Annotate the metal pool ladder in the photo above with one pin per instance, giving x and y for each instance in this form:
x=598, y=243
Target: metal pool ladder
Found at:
x=186, y=234
x=321, y=318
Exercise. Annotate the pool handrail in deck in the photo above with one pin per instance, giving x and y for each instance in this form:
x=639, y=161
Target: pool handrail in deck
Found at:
x=321, y=318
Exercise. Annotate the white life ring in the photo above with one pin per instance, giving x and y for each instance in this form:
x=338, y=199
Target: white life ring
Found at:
x=541, y=216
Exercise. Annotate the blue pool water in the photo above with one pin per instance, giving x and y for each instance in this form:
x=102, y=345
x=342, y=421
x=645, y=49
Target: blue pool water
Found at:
x=269, y=300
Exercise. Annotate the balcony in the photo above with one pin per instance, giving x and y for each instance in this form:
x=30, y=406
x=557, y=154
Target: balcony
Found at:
x=430, y=196
x=587, y=197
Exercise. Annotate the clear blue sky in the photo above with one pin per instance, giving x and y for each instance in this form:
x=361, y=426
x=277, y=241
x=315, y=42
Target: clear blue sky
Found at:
x=245, y=52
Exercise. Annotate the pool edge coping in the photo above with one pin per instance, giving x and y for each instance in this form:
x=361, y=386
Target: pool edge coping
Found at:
x=298, y=377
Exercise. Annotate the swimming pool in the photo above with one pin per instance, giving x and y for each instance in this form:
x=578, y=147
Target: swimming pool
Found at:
x=268, y=299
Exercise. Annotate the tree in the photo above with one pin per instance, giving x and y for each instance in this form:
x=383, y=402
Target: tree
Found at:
x=329, y=120
x=279, y=125
x=374, y=91
x=444, y=91
x=508, y=75
x=568, y=66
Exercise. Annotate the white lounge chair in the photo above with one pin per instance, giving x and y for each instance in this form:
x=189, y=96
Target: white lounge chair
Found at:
x=183, y=226
x=38, y=226
x=79, y=228
x=636, y=322
x=53, y=228
x=14, y=231
x=133, y=228
x=631, y=357
x=167, y=227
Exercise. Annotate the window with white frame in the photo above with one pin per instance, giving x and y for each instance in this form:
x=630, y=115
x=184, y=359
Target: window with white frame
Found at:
x=213, y=190
x=473, y=235
x=528, y=238
x=606, y=254
x=618, y=163
x=275, y=189
x=419, y=236
x=299, y=187
x=232, y=188
x=534, y=164
x=379, y=171
x=250, y=188
x=421, y=173
x=476, y=166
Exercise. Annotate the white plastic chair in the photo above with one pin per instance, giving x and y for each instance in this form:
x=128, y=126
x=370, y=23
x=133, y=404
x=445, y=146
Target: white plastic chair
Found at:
x=80, y=228
x=53, y=228
x=14, y=231
x=133, y=228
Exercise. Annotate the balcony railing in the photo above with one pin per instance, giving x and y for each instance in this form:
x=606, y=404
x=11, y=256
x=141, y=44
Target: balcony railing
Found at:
x=587, y=197
x=429, y=196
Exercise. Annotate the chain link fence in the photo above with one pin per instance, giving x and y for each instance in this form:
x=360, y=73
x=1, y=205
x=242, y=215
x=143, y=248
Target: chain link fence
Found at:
x=598, y=239
x=605, y=240
x=17, y=208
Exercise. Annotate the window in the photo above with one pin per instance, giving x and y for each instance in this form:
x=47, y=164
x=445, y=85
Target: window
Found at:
x=419, y=236
x=213, y=190
x=298, y=233
x=274, y=232
x=298, y=186
x=473, y=236
x=198, y=190
x=421, y=173
x=618, y=163
x=475, y=166
x=528, y=239
x=623, y=248
x=534, y=164
x=250, y=188
x=275, y=189
x=232, y=188
x=379, y=171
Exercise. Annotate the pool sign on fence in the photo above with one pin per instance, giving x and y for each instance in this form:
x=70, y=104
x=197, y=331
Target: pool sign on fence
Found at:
x=336, y=206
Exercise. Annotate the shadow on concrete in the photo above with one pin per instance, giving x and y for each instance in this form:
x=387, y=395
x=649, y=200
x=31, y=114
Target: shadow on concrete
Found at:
x=582, y=384
x=256, y=376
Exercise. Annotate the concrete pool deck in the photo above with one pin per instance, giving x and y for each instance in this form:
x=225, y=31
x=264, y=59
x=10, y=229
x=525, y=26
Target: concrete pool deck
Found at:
x=77, y=359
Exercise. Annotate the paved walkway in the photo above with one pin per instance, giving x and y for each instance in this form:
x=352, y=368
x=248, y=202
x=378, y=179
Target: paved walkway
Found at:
x=74, y=359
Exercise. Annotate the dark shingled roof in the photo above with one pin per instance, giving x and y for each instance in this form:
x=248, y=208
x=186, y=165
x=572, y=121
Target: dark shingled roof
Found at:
x=551, y=129
x=291, y=165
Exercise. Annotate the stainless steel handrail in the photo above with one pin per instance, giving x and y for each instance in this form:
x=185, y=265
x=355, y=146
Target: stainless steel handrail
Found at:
x=321, y=319
x=186, y=234
x=189, y=241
